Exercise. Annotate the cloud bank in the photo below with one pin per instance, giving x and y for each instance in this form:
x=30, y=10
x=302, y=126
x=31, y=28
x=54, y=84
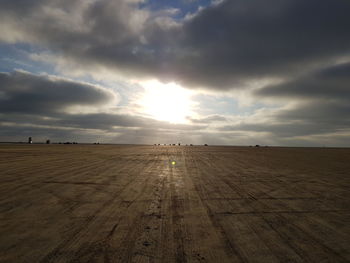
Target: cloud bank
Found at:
x=220, y=47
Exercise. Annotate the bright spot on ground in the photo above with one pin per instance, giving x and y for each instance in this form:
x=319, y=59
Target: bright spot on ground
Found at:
x=173, y=162
x=166, y=102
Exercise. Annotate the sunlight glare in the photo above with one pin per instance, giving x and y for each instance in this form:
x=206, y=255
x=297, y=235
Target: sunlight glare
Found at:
x=166, y=102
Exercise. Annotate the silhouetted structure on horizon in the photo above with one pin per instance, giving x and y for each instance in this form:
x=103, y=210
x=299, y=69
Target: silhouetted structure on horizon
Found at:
x=48, y=142
x=30, y=141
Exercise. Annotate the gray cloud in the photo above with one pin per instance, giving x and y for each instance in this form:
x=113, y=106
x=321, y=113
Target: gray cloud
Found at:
x=208, y=119
x=107, y=121
x=219, y=47
x=307, y=118
x=254, y=38
x=27, y=93
x=320, y=106
x=325, y=116
x=329, y=83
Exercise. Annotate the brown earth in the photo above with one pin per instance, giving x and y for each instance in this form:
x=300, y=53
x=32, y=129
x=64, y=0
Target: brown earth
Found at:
x=97, y=203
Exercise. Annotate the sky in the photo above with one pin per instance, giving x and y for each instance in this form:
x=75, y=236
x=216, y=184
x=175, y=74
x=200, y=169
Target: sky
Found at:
x=221, y=72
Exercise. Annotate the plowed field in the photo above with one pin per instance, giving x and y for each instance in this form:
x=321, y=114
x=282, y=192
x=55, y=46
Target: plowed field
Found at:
x=99, y=203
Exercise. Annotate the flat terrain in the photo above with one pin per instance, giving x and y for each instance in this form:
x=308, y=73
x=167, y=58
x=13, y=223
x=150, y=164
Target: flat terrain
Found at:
x=97, y=203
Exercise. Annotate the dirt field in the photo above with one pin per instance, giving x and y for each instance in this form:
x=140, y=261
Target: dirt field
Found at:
x=96, y=203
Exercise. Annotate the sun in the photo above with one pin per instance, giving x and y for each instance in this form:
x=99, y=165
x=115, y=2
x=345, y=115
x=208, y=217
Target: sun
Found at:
x=166, y=102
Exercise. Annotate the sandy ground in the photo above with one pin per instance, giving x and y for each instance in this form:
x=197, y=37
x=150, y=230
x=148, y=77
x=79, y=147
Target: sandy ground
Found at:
x=96, y=203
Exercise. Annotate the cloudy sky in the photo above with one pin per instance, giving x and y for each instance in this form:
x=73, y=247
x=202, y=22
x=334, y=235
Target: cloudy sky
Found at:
x=234, y=72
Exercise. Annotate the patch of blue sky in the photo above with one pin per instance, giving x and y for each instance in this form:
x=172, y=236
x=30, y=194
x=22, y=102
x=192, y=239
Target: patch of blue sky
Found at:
x=184, y=6
x=17, y=57
x=208, y=105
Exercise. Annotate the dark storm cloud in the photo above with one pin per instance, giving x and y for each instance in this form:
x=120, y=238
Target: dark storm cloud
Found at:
x=219, y=47
x=27, y=93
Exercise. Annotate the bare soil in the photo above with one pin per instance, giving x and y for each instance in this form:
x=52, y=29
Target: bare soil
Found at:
x=98, y=203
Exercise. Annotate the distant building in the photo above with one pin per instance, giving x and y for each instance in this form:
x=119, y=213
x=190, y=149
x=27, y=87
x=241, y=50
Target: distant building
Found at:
x=30, y=141
x=48, y=142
